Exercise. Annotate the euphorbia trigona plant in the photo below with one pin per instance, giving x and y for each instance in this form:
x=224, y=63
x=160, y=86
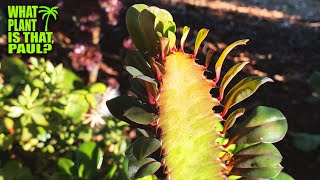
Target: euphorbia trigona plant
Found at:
x=175, y=106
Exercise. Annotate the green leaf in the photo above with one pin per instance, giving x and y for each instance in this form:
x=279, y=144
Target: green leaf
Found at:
x=164, y=22
x=34, y=95
x=139, y=115
x=88, y=157
x=265, y=124
x=147, y=23
x=202, y=34
x=138, y=88
x=208, y=57
x=98, y=88
x=232, y=119
x=14, y=111
x=224, y=55
x=304, y=141
x=257, y=156
x=65, y=165
x=8, y=123
x=263, y=172
x=92, y=100
x=39, y=119
x=170, y=26
x=185, y=33
x=243, y=90
x=13, y=66
x=283, y=176
x=68, y=80
x=111, y=172
x=148, y=169
x=138, y=36
x=14, y=170
x=77, y=105
x=147, y=79
x=163, y=16
x=134, y=71
x=119, y=105
x=150, y=177
x=315, y=81
x=164, y=46
x=145, y=167
x=229, y=76
x=142, y=147
x=135, y=59
x=138, y=74
x=172, y=38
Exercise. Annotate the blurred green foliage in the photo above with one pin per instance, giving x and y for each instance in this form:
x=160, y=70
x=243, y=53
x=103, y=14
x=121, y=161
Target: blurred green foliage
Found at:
x=42, y=110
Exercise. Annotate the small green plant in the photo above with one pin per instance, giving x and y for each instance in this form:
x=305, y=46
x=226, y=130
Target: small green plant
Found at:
x=43, y=115
x=175, y=105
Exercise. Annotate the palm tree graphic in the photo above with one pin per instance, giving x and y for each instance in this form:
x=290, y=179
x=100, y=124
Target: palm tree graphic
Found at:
x=47, y=12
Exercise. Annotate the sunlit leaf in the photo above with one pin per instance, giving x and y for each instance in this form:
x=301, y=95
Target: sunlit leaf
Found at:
x=150, y=177
x=65, y=165
x=77, y=105
x=232, y=119
x=229, y=76
x=14, y=111
x=243, y=90
x=265, y=125
x=202, y=34
x=134, y=71
x=89, y=157
x=185, y=33
x=224, y=55
x=147, y=79
x=172, y=38
x=39, y=119
x=139, y=115
x=164, y=22
x=170, y=26
x=98, y=88
x=145, y=167
x=9, y=124
x=69, y=80
x=138, y=74
x=148, y=169
x=257, y=156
